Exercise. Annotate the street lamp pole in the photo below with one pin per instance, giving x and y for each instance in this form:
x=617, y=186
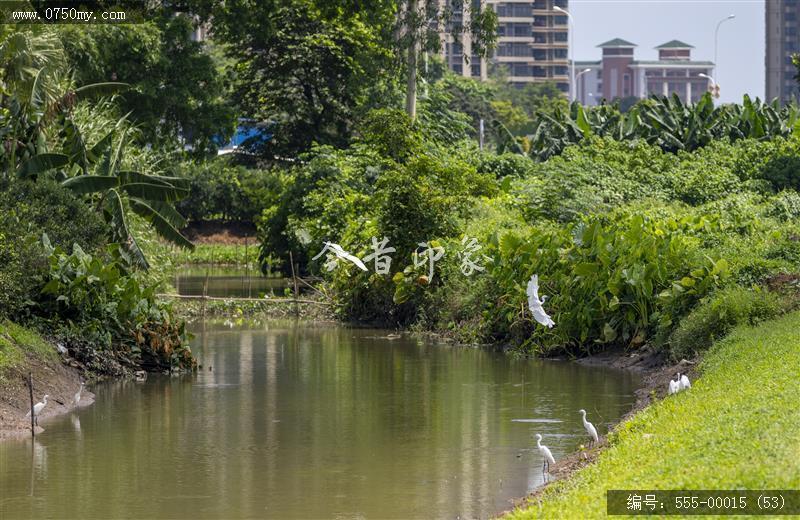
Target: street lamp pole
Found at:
x=716, y=39
x=571, y=51
x=577, y=77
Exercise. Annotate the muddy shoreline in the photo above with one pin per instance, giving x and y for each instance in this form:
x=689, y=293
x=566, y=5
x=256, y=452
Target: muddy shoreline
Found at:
x=58, y=380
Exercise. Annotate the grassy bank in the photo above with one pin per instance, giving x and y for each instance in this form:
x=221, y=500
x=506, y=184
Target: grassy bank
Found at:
x=736, y=428
x=17, y=343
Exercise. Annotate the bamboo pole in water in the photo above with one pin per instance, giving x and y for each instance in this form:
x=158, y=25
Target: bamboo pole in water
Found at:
x=294, y=282
x=30, y=392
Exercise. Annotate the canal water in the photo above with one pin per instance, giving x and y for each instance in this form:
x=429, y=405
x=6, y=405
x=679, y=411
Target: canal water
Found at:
x=229, y=282
x=295, y=420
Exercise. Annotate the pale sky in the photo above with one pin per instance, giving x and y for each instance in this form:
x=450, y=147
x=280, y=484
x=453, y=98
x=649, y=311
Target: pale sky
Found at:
x=647, y=23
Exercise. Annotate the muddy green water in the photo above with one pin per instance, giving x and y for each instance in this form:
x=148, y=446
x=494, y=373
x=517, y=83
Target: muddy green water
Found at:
x=228, y=282
x=303, y=421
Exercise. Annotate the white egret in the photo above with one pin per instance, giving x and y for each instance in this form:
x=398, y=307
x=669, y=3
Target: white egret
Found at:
x=341, y=253
x=535, y=303
x=61, y=349
x=684, y=381
x=546, y=455
x=590, y=429
x=78, y=393
x=37, y=409
x=674, y=387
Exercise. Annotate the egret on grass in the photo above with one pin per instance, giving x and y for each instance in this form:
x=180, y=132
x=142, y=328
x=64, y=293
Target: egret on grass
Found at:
x=546, y=455
x=684, y=381
x=536, y=304
x=590, y=429
x=37, y=409
x=78, y=393
x=674, y=387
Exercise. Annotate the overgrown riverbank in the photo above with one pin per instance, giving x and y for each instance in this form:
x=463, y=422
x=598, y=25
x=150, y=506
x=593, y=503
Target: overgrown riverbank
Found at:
x=737, y=427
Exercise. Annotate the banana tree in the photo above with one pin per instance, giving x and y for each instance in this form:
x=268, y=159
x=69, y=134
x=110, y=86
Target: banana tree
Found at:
x=97, y=172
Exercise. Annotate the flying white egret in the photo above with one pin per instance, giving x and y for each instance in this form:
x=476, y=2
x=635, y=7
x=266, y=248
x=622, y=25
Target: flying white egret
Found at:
x=684, y=381
x=674, y=387
x=341, y=253
x=78, y=393
x=546, y=455
x=535, y=303
x=590, y=429
x=37, y=409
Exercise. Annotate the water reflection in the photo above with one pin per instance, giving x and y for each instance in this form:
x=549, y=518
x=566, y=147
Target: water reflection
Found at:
x=298, y=421
x=228, y=281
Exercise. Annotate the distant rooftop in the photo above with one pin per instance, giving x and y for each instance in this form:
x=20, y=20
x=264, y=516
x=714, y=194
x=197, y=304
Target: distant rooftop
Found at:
x=675, y=44
x=617, y=42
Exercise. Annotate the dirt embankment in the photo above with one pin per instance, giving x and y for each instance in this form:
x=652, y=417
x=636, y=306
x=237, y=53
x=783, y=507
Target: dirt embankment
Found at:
x=219, y=232
x=56, y=379
x=656, y=371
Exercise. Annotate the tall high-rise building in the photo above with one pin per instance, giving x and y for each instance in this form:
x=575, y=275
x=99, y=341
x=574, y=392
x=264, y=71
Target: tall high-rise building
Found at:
x=783, y=40
x=532, y=43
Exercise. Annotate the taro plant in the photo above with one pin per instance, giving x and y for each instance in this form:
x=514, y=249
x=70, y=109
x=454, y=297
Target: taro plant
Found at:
x=99, y=295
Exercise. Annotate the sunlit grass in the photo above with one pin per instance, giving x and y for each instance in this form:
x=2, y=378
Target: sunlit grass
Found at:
x=737, y=427
x=16, y=341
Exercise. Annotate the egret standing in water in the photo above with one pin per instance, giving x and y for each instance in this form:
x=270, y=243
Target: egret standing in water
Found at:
x=536, y=304
x=590, y=429
x=78, y=393
x=37, y=409
x=683, y=381
x=546, y=455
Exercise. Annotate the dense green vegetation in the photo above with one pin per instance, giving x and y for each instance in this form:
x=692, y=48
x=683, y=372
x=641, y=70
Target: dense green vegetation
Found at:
x=718, y=435
x=74, y=179
x=626, y=237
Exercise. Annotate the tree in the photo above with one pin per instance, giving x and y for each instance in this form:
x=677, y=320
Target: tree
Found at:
x=302, y=66
x=423, y=25
x=178, y=95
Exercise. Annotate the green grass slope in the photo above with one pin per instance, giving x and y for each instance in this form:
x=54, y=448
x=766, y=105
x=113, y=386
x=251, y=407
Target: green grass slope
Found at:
x=738, y=427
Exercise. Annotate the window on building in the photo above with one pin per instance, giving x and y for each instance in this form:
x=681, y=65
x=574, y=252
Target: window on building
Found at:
x=560, y=54
x=540, y=54
x=560, y=71
x=680, y=73
x=626, y=84
x=518, y=29
x=476, y=70
x=520, y=69
x=560, y=36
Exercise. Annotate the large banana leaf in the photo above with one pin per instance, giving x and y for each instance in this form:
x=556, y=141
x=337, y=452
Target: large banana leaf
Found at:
x=82, y=184
x=153, y=191
x=41, y=163
x=99, y=90
x=116, y=214
x=159, y=222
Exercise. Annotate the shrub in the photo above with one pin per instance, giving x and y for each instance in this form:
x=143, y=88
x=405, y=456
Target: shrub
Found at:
x=718, y=314
x=113, y=308
x=27, y=210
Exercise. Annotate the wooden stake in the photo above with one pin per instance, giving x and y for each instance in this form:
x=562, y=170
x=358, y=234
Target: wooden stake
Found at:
x=30, y=391
x=294, y=282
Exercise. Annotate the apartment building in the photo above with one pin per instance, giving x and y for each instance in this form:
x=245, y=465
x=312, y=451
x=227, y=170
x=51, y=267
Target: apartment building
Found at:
x=533, y=43
x=782, y=40
x=618, y=75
